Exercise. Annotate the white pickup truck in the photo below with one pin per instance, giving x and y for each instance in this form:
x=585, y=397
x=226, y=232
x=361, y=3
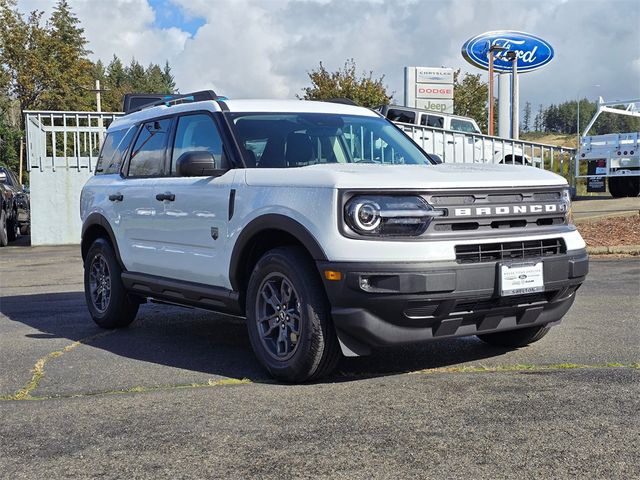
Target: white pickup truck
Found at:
x=324, y=226
x=454, y=138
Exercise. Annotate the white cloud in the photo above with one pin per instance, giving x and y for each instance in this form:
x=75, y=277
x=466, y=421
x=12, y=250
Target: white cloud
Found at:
x=264, y=48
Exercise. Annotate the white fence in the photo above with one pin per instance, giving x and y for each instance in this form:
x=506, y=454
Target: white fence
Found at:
x=62, y=150
x=466, y=147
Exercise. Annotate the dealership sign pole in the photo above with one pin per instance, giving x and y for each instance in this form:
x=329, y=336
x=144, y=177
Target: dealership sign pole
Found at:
x=530, y=52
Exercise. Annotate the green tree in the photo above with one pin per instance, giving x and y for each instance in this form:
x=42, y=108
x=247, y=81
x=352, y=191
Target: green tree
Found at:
x=168, y=82
x=470, y=97
x=24, y=54
x=365, y=90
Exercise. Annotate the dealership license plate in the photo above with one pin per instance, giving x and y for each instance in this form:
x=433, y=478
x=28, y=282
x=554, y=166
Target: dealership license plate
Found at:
x=521, y=278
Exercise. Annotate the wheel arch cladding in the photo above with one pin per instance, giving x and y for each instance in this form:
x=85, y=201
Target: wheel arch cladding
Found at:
x=97, y=226
x=261, y=235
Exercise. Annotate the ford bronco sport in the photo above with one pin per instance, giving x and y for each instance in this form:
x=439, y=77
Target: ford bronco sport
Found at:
x=325, y=226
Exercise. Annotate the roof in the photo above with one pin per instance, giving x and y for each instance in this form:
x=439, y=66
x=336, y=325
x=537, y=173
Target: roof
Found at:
x=241, y=106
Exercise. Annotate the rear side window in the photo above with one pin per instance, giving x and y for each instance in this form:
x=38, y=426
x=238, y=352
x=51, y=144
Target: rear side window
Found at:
x=403, y=116
x=463, y=126
x=147, y=154
x=113, y=149
x=432, y=121
x=196, y=133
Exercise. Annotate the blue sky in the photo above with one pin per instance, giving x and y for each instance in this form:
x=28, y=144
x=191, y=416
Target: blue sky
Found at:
x=168, y=15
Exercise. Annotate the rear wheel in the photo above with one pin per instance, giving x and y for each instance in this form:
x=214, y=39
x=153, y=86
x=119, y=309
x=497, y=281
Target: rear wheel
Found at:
x=288, y=317
x=109, y=304
x=632, y=186
x=515, y=338
x=617, y=187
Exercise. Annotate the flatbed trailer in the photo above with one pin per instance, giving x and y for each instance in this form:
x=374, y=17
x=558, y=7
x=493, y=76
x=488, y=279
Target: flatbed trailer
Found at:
x=614, y=157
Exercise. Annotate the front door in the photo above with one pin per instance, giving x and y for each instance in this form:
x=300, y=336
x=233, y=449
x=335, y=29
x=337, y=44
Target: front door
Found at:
x=192, y=212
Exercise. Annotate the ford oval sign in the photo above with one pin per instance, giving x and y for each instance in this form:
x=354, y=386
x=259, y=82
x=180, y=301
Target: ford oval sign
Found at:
x=532, y=51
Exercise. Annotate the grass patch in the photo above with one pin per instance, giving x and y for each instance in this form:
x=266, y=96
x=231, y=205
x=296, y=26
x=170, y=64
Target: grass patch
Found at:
x=522, y=368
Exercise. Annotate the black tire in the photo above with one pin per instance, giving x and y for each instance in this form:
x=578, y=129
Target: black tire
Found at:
x=12, y=229
x=4, y=235
x=25, y=230
x=617, y=187
x=112, y=306
x=632, y=186
x=515, y=338
x=311, y=351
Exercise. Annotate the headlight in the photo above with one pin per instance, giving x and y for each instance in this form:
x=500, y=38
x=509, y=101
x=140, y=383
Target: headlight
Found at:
x=388, y=216
x=568, y=209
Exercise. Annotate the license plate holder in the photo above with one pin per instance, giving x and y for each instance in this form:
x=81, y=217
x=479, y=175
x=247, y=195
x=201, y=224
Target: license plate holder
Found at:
x=521, y=278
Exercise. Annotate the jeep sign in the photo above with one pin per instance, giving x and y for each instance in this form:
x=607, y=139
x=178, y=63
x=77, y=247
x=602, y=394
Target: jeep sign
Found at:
x=533, y=52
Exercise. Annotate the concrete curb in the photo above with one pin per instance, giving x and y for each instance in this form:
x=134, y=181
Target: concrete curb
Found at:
x=615, y=250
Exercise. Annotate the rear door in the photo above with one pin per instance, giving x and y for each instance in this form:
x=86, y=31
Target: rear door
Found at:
x=135, y=204
x=192, y=213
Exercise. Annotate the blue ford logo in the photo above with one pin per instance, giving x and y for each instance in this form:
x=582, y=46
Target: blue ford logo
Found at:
x=532, y=51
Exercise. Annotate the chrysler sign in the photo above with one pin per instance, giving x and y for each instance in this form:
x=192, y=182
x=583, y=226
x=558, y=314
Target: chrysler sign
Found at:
x=532, y=52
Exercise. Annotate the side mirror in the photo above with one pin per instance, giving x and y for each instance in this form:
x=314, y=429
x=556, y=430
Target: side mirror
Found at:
x=435, y=158
x=198, y=164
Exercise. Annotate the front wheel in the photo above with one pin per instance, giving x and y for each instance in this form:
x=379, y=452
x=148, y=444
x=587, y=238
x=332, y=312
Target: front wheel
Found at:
x=288, y=317
x=4, y=234
x=515, y=338
x=109, y=304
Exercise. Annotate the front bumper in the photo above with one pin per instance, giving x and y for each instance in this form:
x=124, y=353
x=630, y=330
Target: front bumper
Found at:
x=378, y=304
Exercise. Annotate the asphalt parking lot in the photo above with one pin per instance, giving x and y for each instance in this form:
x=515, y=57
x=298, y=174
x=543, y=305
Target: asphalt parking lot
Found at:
x=179, y=394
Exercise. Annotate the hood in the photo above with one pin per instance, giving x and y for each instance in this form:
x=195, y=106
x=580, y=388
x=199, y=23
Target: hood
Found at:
x=413, y=177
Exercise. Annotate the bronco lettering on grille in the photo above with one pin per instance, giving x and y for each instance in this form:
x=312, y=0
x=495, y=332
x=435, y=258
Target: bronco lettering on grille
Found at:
x=509, y=210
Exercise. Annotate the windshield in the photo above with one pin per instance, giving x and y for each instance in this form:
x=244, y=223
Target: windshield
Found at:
x=281, y=140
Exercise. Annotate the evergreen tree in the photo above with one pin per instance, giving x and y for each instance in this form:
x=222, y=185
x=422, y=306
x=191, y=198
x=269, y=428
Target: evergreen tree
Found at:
x=70, y=69
x=168, y=81
x=526, y=120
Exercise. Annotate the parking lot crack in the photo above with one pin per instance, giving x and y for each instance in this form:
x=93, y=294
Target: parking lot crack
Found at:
x=38, y=370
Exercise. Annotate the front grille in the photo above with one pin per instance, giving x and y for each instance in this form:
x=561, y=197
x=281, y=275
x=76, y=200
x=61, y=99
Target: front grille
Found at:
x=493, y=252
x=494, y=212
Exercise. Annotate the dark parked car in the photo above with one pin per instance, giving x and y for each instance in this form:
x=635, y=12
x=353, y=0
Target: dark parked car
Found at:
x=15, y=212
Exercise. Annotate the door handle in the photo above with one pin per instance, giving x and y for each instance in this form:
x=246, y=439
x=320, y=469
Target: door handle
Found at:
x=450, y=142
x=165, y=196
x=116, y=197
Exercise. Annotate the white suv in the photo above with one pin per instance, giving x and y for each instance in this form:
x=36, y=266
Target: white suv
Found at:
x=326, y=227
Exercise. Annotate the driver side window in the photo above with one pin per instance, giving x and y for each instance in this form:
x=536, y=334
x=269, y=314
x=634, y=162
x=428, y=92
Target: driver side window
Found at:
x=196, y=133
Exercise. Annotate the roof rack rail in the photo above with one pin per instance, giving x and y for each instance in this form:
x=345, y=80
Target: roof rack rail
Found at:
x=342, y=100
x=134, y=102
